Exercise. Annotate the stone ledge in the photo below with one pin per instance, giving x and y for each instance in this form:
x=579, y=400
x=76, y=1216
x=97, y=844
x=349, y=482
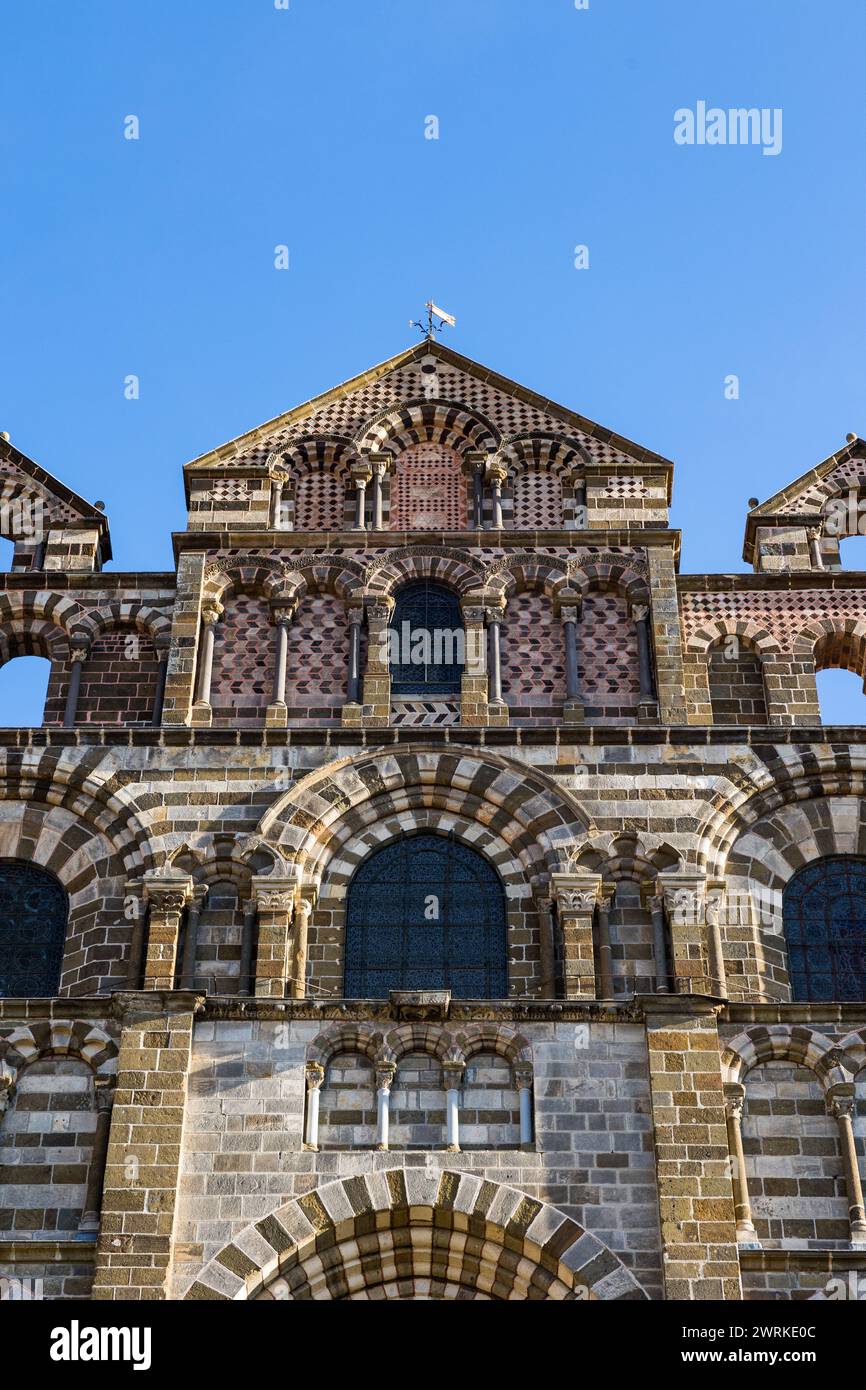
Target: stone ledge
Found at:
x=79, y=1252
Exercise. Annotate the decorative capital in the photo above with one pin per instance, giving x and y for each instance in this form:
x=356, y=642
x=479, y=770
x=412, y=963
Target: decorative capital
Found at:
x=79, y=648
x=167, y=893
x=840, y=1100
x=314, y=1074
x=735, y=1099
x=452, y=1072
x=385, y=1073
x=522, y=1074
x=211, y=613
x=640, y=612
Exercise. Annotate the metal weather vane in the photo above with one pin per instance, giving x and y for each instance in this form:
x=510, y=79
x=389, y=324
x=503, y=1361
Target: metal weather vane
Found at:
x=430, y=329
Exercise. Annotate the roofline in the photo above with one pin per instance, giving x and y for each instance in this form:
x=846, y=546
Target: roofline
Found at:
x=768, y=513
x=456, y=359
x=89, y=513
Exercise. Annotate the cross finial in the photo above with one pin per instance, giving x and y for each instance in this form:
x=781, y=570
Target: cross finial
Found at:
x=430, y=329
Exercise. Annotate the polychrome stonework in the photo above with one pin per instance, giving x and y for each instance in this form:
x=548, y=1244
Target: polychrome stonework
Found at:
x=667, y=1099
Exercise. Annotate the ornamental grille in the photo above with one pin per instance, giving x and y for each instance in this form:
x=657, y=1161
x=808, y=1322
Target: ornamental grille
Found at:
x=426, y=638
x=426, y=912
x=33, y=914
x=824, y=914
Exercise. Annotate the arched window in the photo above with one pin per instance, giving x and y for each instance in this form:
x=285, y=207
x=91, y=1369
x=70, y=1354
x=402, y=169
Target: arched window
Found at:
x=426, y=641
x=24, y=684
x=824, y=915
x=426, y=912
x=33, y=914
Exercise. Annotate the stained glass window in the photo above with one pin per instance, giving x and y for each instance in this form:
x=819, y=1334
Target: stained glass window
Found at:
x=824, y=914
x=426, y=641
x=33, y=915
x=426, y=912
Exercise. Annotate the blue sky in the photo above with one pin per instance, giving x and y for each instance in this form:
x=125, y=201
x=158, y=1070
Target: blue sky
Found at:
x=306, y=127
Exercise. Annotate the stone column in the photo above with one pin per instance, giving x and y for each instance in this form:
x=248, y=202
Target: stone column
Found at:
x=654, y=903
x=104, y=1097
x=279, y=478
x=606, y=987
x=379, y=467
x=648, y=709
x=576, y=897
x=377, y=677
x=547, y=951
x=190, y=940
x=569, y=606
x=840, y=1104
x=79, y=652
x=522, y=1074
x=142, y=1172
x=166, y=895
x=162, y=648
x=474, y=709
x=493, y=614
x=275, y=898
x=202, y=714
x=304, y=905
x=735, y=1095
x=496, y=476
x=474, y=464
x=696, y=1199
x=276, y=715
x=352, y=709
x=246, y=982
x=385, y=1073
x=453, y=1075
x=361, y=475
x=314, y=1075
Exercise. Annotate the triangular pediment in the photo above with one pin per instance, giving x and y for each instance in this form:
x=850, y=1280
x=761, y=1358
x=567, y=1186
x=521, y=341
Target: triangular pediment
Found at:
x=26, y=485
x=803, y=502
x=347, y=411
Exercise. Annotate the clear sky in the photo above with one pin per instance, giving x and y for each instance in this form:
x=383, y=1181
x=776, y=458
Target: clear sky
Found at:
x=305, y=127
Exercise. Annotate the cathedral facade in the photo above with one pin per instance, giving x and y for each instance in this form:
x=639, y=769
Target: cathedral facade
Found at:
x=424, y=890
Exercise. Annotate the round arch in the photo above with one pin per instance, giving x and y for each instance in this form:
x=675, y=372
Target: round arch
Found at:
x=397, y=1232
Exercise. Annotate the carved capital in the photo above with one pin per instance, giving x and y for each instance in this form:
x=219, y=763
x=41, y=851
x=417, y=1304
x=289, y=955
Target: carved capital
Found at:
x=385, y=1073
x=840, y=1101
x=211, y=613
x=522, y=1074
x=314, y=1074
x=735, y=1098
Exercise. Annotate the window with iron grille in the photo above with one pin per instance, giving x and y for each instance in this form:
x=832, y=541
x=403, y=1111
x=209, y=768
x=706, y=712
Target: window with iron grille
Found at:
x=824, y=914
x=426, y=641
x=426, y=912
x=33, y=916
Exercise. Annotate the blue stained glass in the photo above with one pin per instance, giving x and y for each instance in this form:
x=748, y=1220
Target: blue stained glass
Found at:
x=462, y=949
x=33, y=915
x=824, y=905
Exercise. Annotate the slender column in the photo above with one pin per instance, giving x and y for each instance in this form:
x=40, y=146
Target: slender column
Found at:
x=275, y=899
x=453, y=1073
x=605, y=954
x=190, y=940
x=497, y=477
x=494, y=655
x=648, y=708
x=78, y=655
x=278, y=481
x=361, y=476
x=96, y=1171
x=840, y=1104
x=522, y=1073
x=576, y=896
x=478, y=493
x=167, y=895
x=735, y=1096
x=379, y=465
x=161, y=675
x=581, y=520
x=815, y=548
x=569, y=611
x=209, y=615
x=135, y=910
x=656, y=905
x=355, y=614
x=245, y=971
x=714, y=903
x=385, y=1074
x=315, y=1076
x=276, y=714
x=298, y=978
